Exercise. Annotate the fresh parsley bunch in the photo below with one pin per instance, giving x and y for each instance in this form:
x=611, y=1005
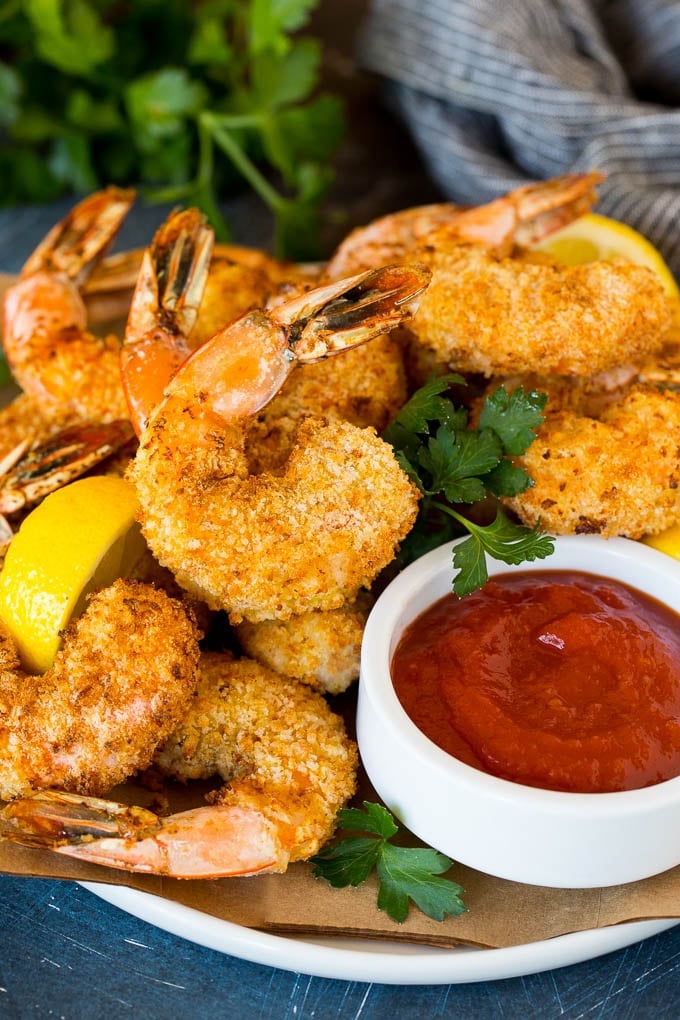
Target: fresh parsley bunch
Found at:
x=186, y=98
x=452, y=463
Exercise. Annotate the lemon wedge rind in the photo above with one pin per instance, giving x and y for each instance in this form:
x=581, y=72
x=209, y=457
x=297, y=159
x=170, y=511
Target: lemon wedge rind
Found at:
x=80, y=538
x=592, y=237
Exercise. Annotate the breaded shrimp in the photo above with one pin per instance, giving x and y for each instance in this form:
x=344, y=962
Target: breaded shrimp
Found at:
x=123, y=679
x=495, y=315
x=52, y=356
x=270, y=545
x=615, y=471
x=320, y=649
x=287, y=762
x=366, y=387
x=491, y=310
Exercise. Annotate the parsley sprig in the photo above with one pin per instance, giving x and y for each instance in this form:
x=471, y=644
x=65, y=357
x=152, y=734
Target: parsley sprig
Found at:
x=404, y=873
x=452, y=463
x=188, y=99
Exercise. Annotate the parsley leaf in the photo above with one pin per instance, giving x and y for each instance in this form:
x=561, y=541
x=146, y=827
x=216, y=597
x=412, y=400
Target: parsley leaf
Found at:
x=452, y=463
x=404, y=873
x=227, y=94
x=455, y=460
x=513, y=417
x=424, y=406
x=504, y=540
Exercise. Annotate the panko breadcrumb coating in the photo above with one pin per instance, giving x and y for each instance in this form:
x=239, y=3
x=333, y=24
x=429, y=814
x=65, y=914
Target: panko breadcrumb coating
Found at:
x=492, y=315
x=320, y=649
x=365, y=386
x=614, y=474
x=269, y=546
x=276, y=743
x=122, y=681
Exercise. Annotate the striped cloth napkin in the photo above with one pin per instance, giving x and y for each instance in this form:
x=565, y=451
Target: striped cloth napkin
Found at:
x=500, y=92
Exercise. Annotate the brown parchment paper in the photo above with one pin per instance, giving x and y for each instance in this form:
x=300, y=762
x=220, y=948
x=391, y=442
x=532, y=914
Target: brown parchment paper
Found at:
x=499, y=913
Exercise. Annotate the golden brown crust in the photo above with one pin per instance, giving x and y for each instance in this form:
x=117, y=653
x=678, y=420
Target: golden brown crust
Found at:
x=276, y=743
x=320, y=649
x=272, y=545
x=365, y=386
x=121, y=683
x=614, y=474
x=503, y=315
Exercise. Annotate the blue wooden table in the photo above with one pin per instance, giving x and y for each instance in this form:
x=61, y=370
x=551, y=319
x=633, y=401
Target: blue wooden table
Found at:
x=65, y=953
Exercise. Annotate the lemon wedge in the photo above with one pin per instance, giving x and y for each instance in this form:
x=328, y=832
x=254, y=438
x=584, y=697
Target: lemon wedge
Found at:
x=667, y=541
x=80, y=538
x=593, y=237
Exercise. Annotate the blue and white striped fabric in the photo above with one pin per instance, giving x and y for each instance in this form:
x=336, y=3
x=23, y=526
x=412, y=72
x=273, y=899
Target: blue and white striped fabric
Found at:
x=500, y=92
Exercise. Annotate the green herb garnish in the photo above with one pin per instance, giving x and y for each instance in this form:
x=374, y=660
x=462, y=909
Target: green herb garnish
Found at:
x=404, y=873
x=452, y=463
x=94, y=92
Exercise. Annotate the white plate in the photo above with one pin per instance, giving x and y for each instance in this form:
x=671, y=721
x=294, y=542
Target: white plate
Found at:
x=381, y=962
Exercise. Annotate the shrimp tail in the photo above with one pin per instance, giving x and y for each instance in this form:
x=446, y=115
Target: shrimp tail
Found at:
x=75, y=245
x=35, y=468
x=243, y=366
x=215, y=841
x=164, y=309
x=525, y=216
x=346, y=313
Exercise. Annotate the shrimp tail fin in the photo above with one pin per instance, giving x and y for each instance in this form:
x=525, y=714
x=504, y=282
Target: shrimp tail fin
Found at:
x=51, y=817
x=164, y=310
x=215, y=841
x=525, y=216
x=76, y=244
x=349, y=312
x=181, y=253
x=35, y=468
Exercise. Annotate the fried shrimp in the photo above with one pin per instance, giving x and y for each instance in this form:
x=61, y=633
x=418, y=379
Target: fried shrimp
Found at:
x=118, y=687
x=271, y=545
x=52, y=356
x=495, y=315
x=608, y=471
x=320, y=649
x=366, y=387
x=493, y=309
x=287, y=763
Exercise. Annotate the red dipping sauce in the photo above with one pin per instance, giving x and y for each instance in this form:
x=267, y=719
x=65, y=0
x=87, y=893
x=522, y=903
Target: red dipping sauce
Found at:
x=550, y=678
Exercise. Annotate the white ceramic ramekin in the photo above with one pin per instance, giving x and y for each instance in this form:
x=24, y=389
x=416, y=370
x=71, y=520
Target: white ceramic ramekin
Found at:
x=542, y=837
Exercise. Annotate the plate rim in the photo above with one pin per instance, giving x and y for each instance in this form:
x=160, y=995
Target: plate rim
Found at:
x=372, y=961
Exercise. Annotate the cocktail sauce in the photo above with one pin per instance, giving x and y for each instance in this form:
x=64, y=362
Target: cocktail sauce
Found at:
x=556, y=679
